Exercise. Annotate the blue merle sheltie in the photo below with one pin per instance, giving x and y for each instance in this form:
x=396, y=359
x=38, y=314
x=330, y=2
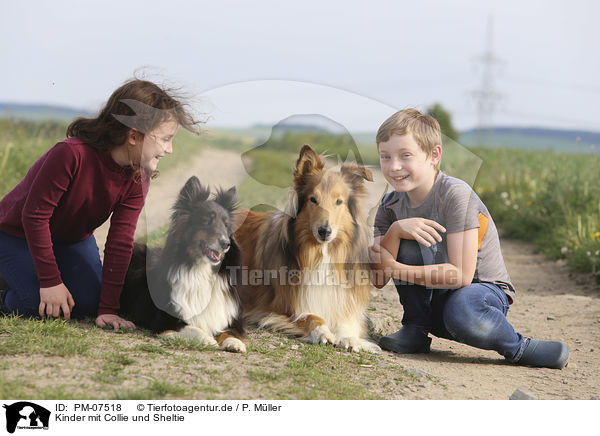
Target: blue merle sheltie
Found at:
x=188, y=287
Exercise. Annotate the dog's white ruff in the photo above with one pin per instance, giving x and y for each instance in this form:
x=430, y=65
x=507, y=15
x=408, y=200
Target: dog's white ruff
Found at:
x=322, y=294
x=202, y=298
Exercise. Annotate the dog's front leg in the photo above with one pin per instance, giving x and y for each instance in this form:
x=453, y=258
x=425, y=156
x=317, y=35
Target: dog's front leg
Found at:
x=231, y=340
x=349, y=335
x=314, y=328
x=191, y=332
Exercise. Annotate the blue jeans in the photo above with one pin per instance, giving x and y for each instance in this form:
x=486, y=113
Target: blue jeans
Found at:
x=474, y=315
x=80, y=269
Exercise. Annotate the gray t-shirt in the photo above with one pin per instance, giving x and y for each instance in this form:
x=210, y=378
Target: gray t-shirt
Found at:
x=454, y=205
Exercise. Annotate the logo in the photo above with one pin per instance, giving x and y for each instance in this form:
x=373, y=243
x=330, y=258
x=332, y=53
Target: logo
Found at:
x=26, y=415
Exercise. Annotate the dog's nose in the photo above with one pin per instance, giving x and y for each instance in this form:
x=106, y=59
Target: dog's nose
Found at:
x=224, y=243
x=324, y=232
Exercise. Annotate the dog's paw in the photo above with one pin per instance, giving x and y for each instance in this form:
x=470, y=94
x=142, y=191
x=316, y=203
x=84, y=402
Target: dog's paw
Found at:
x=168, y=334
x=193, y=333
x=321, y=335
x=199, y=335
x=233, y=344
x=369, y=346
x=206, y=339
x=357, y=345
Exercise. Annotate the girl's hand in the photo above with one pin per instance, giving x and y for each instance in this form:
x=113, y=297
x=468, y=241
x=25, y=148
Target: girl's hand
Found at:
x=116, y=321
x=422, y=230
x=55, y=299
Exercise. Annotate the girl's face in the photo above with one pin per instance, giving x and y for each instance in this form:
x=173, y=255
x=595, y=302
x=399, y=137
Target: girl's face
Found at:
x=155, y=145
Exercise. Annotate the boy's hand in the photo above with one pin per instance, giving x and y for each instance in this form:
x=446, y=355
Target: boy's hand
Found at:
x=422, y=230
x=55, y=299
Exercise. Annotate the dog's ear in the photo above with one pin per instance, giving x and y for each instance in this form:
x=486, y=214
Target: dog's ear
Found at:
x=355, y=175
x=308, y=162
x=227, y=199
x=190, y=195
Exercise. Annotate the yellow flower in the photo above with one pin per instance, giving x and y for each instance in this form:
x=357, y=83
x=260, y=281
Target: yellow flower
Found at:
x=528, y=204
x=595, y=236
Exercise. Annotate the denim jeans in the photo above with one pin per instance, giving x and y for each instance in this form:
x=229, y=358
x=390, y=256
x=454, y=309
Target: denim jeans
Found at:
x=474, y=315
x=80, y=269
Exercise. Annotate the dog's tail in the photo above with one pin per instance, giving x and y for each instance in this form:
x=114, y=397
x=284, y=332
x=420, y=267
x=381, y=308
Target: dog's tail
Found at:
x=278, y=323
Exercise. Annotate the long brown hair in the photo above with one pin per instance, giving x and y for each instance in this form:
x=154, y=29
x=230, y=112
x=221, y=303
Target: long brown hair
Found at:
x=137, y=104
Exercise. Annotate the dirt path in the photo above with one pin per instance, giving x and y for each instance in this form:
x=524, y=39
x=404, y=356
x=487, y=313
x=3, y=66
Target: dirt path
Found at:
x=551, y=304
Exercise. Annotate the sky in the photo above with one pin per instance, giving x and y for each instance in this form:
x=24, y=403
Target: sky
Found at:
x=354, y=62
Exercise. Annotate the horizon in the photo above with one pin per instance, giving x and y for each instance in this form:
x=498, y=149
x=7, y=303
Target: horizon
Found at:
x=262, y=124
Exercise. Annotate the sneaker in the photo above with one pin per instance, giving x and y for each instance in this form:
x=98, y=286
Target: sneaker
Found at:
x=546, y=354
x=408, y=340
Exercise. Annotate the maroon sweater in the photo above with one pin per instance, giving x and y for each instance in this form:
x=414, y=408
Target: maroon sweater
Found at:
x=68, y=193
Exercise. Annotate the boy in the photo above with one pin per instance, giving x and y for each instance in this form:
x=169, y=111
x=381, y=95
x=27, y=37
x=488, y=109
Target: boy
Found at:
x=437, y=240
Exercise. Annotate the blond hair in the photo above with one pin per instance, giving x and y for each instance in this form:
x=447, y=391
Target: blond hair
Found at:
x=424, y=128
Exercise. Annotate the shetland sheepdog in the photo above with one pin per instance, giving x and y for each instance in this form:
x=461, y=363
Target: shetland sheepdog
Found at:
x=186, y=288
x=306, y=266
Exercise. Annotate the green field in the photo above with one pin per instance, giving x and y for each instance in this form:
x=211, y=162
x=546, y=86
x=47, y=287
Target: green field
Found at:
x=549, y=198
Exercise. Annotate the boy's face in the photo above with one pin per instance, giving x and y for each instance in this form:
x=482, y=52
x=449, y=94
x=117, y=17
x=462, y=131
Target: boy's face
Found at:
x=407, y=167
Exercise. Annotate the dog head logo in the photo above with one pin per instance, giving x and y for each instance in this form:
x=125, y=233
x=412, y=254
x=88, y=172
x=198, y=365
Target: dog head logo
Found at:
x=26, y=415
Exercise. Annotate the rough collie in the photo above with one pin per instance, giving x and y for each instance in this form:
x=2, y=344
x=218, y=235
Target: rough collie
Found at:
x=185, y=289
x=307, y=267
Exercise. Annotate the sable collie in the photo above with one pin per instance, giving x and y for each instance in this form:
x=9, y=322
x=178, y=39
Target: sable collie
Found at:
x=309, y=259
x=185, y=289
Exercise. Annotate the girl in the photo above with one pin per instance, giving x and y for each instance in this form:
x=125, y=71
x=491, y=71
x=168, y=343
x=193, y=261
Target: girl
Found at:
x=48, y=254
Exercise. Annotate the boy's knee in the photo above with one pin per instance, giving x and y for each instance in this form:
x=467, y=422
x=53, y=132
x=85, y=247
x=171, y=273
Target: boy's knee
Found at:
x=409, y=253
x=464, y=315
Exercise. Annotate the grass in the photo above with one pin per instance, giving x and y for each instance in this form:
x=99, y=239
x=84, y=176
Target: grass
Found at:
x=150, y=349
x=137, y=365
x=550, y=199
x=53, y=337
x=21, y=144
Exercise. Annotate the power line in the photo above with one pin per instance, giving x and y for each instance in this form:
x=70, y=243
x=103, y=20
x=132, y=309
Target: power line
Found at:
x=486, y=96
